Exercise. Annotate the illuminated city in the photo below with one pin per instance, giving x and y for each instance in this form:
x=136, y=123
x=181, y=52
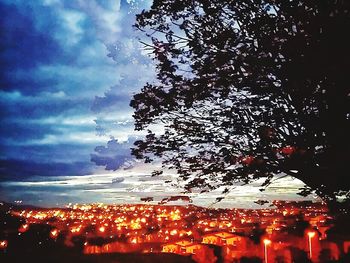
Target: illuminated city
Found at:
x=284, y=233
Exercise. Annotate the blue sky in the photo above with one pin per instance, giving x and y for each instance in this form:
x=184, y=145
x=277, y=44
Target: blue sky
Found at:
x=65, y=79
x=68, y=71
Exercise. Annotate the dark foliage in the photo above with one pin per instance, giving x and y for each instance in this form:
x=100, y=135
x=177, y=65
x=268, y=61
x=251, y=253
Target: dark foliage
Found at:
x=247, y=90
x=299, y=255
x=250, y=260
x=298, y=228
x=257, y=234
x=340, y=229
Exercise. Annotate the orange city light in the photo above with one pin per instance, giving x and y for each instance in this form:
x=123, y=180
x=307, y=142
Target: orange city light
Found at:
x=311, y=234
x=173, y=232
x=23, y=228
x=54, y=233
x=3, y=244
x=102, y=229
x=75, y=229
x=267, y=241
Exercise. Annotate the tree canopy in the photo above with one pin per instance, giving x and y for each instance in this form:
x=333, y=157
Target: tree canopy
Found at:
x=248, y=89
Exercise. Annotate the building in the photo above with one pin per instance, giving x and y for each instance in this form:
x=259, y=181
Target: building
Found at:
x=183, y=247
x=223, y=239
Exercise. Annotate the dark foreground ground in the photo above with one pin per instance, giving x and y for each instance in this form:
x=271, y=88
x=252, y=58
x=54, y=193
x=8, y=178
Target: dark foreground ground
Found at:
x=52, y=257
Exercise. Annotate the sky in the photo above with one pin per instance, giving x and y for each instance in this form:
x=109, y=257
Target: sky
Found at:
x=68, y=71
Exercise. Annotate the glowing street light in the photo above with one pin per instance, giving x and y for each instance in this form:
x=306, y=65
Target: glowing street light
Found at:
x=23, y=228
x=3, y=244
x=310, y=235
x=267, y=242
x=54, y=233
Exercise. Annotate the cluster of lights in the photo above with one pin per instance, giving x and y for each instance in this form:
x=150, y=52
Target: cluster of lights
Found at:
x=167, y=223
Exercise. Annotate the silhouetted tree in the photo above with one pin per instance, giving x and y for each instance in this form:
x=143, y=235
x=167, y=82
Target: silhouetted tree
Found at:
x=325, y=256
x=299, y=255
x=257, y=233
x=345, y=258
x=299, y=226
x=247, y=90
x=340, y=229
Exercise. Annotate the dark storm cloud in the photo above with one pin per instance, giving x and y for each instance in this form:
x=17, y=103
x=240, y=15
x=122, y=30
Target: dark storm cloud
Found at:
x=22, y=161
x=69, y=69
x=20, y=169
x=112, y=156
x=23, y=44
x=110, y=101
x=53, y=63
x=16, y=106
x=63, y=153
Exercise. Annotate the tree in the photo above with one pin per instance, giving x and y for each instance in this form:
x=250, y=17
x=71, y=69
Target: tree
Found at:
x=248, y=90
x=257, y=233
x=298, y=227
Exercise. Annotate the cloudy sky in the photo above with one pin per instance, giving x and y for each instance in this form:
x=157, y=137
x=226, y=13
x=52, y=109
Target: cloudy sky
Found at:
x=68, y=71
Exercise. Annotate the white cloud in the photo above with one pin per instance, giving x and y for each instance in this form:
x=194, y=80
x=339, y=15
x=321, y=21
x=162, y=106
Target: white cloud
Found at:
x=72, y=22
x=138, y=183
x=106, y=18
